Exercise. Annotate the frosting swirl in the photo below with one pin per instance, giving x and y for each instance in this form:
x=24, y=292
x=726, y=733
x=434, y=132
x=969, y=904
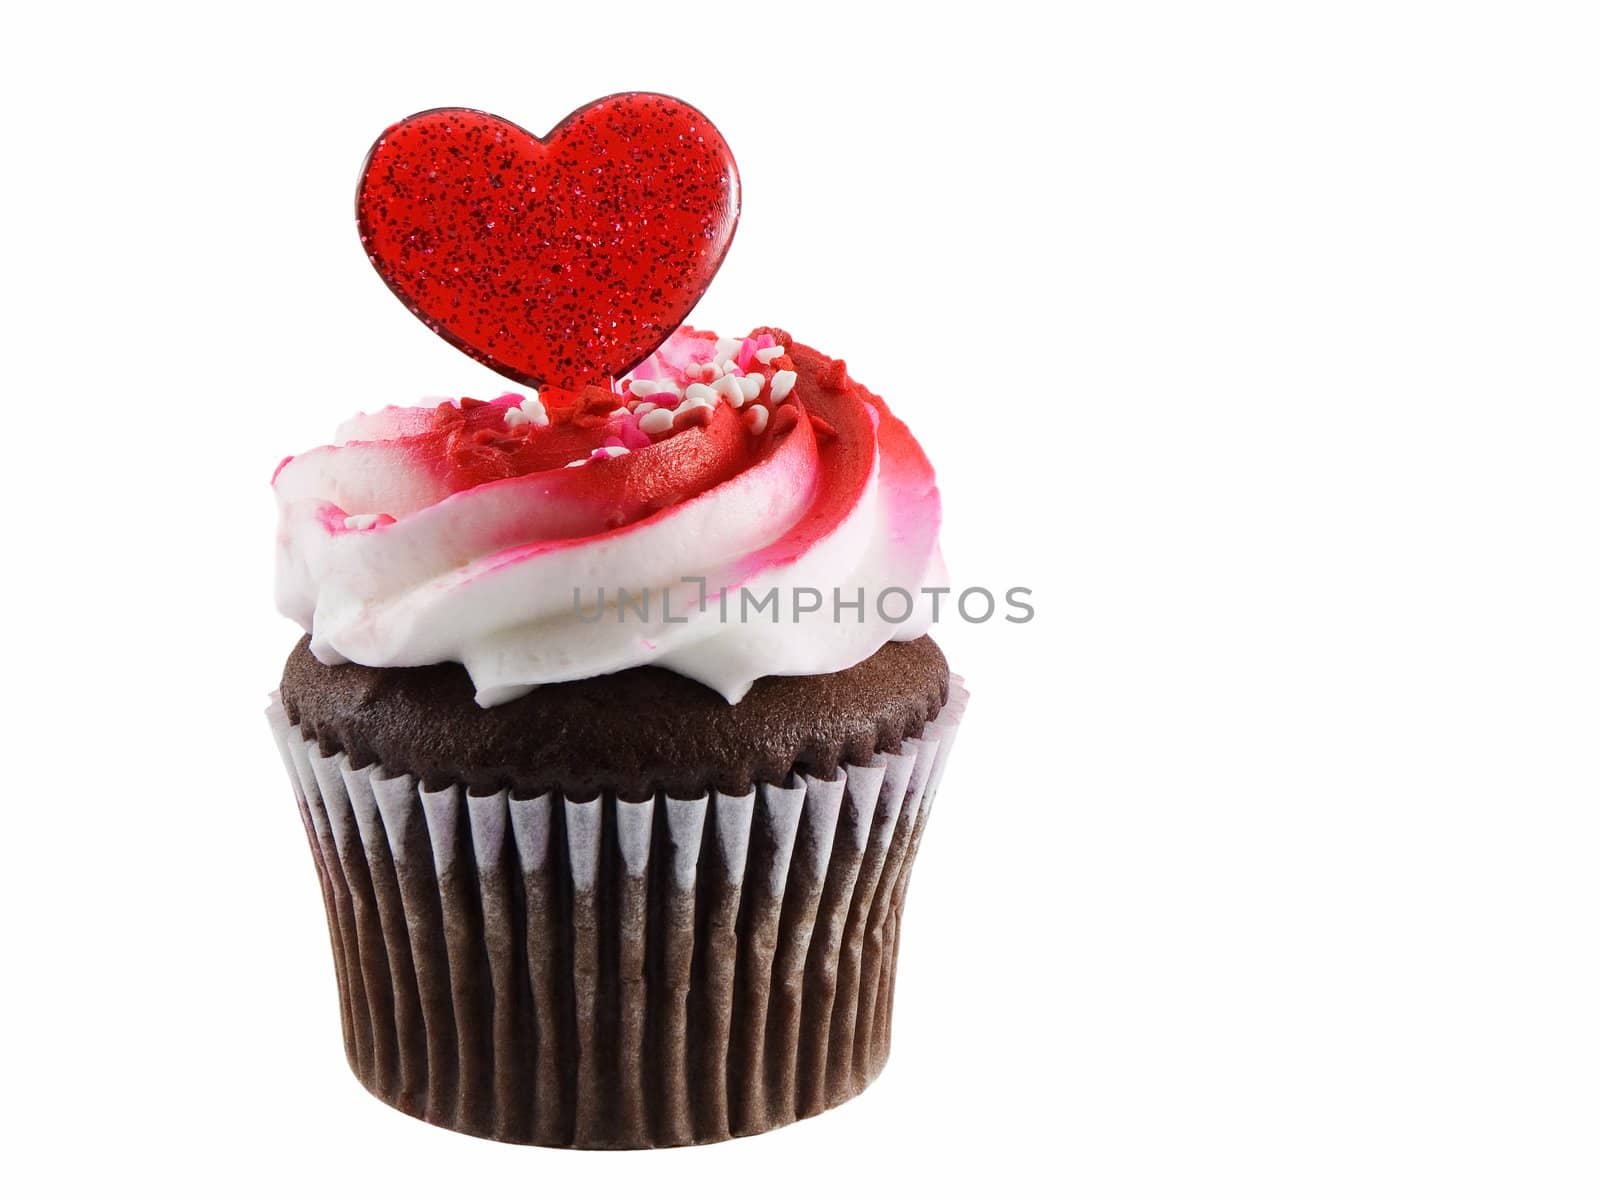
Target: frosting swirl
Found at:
x=540, y=539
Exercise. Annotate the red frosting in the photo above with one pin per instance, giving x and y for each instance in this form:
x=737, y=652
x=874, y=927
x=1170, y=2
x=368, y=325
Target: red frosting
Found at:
x=470, y=445
x=464, y=445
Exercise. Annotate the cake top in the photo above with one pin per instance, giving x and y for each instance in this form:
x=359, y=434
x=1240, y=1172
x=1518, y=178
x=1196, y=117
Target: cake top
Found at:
x=726, y=508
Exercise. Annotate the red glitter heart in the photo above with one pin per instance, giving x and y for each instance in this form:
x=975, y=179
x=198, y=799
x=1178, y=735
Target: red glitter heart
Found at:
x=561, y=260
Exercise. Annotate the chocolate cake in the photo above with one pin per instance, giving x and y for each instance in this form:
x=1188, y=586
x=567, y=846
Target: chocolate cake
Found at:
x=631, y=734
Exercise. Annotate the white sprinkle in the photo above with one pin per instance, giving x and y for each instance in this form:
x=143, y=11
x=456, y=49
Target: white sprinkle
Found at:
x=645, y=408
x=658, y=421
x=782, y=385
x=620, y=411
x=610, y=451
x=699, y=391
x=362, y=520
x=533, y=409
x=755, y=419
x=770, y=353
x=644, y=387
x=669, y=389
x=729, y=346
x=515, y=417
x=696, y=402
x=733, y=389
x=577, y=462
x=752, y=385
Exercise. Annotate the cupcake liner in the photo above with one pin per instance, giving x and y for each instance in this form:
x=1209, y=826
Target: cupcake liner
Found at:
x=613, y=974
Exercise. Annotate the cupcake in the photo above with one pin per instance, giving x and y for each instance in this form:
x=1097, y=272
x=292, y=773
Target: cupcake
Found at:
x=616, y=725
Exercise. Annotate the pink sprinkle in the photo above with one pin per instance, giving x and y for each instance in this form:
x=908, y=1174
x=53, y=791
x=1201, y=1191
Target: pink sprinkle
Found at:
x=633, y=437
x=765, y=340
x=747, y=354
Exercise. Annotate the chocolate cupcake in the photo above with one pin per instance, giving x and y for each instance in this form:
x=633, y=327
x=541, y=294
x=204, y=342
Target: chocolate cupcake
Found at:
x=614, y=732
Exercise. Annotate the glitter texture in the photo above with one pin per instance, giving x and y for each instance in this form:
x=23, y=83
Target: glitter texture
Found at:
x=562, y=260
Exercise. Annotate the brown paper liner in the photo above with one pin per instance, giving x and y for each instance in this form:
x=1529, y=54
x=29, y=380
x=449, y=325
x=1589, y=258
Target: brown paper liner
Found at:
x=603, y=974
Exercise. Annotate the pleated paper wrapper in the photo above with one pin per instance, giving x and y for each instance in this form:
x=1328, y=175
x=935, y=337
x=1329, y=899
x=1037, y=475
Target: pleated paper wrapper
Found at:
x=611, y=974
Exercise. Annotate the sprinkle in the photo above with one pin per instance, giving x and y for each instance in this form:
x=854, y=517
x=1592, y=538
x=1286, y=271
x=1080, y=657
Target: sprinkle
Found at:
x=362, y=520
x=658, y=421
x=577, y=462
x=733, y=388
x=515, y=417
x=620, y=411
x=766, y=355
x=782, y=385
x=533, y=409
x=747, y=351
x=645, y=408
x=609, y=452
x=699, y=391
x=728, y=347
x=755, y=419
x=752, y=385
x=644, y=387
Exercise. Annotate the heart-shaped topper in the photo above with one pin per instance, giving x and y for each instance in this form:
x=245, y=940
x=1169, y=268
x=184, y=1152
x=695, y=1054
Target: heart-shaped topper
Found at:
x=560, y=260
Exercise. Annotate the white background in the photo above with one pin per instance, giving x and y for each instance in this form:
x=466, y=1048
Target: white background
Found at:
x=1259, y=341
